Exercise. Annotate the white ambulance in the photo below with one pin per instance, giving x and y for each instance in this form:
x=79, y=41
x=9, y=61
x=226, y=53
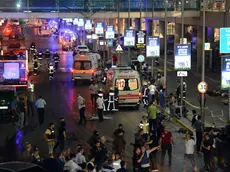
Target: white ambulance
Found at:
x=128, y=83
x=85, y=66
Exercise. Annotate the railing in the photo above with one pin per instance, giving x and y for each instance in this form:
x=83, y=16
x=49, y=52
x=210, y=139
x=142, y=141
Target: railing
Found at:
x=93, y=5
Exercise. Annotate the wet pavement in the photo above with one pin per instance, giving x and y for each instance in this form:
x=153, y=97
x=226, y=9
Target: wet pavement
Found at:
x=61, y=95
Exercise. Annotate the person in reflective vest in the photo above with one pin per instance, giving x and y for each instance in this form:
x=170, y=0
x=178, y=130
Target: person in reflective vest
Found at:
x=145, y=94
x=144, y=124
x=31, y=86
x=56, y=59
x=101, y=94
x=104, y=79
x=40, y=55
x=111, y=100
x=51, y=71
x=116, y=96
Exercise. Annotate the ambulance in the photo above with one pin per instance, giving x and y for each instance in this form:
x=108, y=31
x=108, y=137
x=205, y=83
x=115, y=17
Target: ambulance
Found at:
x=128, y=83
x=85, y=66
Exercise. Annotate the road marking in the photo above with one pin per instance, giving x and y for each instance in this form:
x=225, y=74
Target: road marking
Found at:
x=194, y=106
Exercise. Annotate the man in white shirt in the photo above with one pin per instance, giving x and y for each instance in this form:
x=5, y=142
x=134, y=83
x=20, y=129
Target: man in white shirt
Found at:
x=40, y=105
x=81, y=107
x=189, y=152
x=152, y=91
x=80, y=158
x=71, y=165
x=94, y=90
x=100, y=107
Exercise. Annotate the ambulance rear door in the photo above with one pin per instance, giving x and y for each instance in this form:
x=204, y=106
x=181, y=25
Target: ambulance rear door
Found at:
x=82, y=69
x=129, y=85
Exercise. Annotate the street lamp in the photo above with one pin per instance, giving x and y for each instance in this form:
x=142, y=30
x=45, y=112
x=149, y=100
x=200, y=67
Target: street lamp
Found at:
x=18, y=5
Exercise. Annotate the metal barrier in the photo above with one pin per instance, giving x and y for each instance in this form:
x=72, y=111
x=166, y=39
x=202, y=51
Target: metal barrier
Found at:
x=93, y=5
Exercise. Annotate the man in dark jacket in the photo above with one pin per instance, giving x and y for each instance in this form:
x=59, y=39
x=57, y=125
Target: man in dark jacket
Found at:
x=99, y=155
x=119, y=141
x=94, y=138
x=139, y=139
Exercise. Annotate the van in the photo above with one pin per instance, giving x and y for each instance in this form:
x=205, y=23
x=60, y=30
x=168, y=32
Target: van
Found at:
x=85, y=66
x=128, y=83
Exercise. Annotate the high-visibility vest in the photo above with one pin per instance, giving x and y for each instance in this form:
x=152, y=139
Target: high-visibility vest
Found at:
x=31, y=86
x=144, y=126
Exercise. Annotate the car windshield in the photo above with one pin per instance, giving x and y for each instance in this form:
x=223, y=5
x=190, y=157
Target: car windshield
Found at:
x=82, y=65
x=81, y=48
x=7, y=95
x=127, y=84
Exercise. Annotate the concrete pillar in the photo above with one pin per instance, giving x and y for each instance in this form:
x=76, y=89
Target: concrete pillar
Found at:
x=162, y=32
x=137, y=24
x=122, y=25
x=148, y=26
x=133, y=23
x=126, y=23
x=199, y=42
x=177, y=33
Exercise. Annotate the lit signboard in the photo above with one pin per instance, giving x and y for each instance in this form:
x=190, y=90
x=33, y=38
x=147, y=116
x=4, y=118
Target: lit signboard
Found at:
x=225, y=73
x=129, y=38
x=153, y=46
x=141, y=39
x=109, y=34
x=182, y=59
x=99, y=29
x=88, y=25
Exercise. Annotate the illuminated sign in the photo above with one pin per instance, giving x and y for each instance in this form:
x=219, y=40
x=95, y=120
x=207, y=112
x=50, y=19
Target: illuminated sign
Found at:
x=88, y=25
x=153, y=46
x=109, y=34
x=224, y=40
x=207, y=46
x=182, y=55
x=140, y=39
x=81, y=22
x=99, y=29
x=225, y=73
x=129, y=38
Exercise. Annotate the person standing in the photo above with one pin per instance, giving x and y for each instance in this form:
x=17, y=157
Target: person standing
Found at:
x=152, y=92
x=152, y=115
x=162, y=101
x=50, y=137
x=100, y=107
x=21, y=112
x=207, y=151
x=61, y=135
x=40, y=104
x=189, y=152
x=145, y=162
x=166, y=142
x=30, y=102
x=94, y=91
x=119, y=140
x=81, y=107
x=144, y=124
x=172, y=104
x=199, y=132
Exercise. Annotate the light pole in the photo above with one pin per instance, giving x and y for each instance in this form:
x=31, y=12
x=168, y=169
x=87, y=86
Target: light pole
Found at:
x=182, y=37
x=203, y=63
x=129, y=58
x=165, y=45
x=119, y=40
x=152, y=32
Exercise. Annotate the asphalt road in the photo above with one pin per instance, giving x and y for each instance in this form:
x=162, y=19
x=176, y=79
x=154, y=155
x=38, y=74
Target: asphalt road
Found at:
x=61, y=95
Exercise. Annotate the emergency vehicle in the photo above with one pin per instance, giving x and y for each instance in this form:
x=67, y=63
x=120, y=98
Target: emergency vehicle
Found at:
x=45, y=30
x=67, y=39
x=128, y=83
x=85, y=66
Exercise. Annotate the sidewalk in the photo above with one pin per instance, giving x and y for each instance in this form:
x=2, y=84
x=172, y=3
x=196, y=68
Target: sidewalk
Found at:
x=214, y=104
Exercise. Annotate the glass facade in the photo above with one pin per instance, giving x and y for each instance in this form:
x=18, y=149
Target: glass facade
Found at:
x=93, y=5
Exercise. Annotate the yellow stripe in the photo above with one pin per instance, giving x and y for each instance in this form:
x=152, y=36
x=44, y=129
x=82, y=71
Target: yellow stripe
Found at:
x=190, y=104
